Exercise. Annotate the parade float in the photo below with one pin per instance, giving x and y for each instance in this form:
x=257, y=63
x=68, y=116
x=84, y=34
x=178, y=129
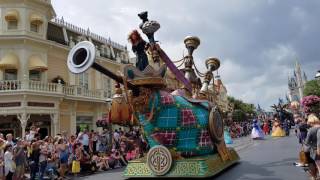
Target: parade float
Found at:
x=184, y=128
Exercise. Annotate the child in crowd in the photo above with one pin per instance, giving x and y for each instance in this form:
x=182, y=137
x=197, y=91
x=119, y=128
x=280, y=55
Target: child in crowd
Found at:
x=77, y=155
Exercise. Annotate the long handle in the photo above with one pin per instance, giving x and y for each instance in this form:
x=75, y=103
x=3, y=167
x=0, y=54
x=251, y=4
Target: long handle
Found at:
x=179, y=75
x=112, y=75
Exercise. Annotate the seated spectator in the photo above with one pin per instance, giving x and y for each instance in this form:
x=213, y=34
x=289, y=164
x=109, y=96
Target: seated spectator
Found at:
x=123, y=150
x=101, y=163
x=116, y=160
x=85, y=162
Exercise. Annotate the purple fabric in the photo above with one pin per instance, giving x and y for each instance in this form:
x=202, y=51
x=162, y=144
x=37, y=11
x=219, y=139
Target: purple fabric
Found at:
x=179, y=75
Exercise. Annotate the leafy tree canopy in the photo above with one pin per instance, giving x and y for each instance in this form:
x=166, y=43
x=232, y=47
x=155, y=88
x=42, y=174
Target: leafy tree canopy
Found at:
x=241, y=109
x=312, y=88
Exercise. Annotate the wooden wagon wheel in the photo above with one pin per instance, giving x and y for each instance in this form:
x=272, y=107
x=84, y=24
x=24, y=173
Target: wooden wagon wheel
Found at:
x=216, y=126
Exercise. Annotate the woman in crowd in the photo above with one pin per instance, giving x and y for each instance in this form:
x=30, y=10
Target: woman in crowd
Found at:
x=312, y=144
x=34, y=159
x=116, y=160
x=2, y=147
x=101, y=163
x=9, y=165
x=303, y=130
x=94, y=141
x=43, y=158
x=131, y=153
x=71, y=145
x=85, y=161
x=76, y=156
x=20, y=159
x=124, y=149
x=62, y=150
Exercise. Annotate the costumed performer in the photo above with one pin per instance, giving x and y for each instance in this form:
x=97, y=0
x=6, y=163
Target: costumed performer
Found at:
x=227, y=137
x=138, y=47
x=256, y=132
x=266, y=128
x=277, y=131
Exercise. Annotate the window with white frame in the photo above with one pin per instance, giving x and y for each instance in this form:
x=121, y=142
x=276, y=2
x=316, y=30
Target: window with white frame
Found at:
x=34, y=27
x=107, y=87
x=35, y=75
x=10, y=74
x=12, y=24
x=84, y=80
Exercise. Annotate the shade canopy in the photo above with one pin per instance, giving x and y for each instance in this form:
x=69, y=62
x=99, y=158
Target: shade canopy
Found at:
x=35, y=18
x=12, y=15
x=36, y=63
x=9, y=61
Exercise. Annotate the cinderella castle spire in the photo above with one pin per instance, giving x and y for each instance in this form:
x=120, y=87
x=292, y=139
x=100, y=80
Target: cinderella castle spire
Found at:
x=296, y=83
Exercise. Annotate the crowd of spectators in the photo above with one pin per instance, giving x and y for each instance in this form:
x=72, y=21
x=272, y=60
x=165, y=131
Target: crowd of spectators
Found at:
x=63, y=155
x=239, y=129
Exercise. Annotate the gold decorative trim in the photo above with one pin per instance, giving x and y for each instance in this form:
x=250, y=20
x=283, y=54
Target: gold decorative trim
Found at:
x=159, y=160
x=148, y=81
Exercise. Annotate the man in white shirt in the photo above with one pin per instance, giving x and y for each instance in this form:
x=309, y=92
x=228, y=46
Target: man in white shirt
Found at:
x=116, y=136
x=84, y=139
x=9, y=138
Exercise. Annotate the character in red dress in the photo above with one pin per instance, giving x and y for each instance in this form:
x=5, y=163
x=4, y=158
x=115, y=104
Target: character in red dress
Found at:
x=266, y=128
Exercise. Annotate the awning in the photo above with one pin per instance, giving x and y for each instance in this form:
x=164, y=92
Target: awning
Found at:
x=12, y=15
x=35, y=18
x=9, y=61
x=35, y=63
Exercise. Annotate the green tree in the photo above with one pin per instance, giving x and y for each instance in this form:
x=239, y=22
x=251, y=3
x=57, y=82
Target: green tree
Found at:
x=239, y=116
x=312, y=88
x=241, y=109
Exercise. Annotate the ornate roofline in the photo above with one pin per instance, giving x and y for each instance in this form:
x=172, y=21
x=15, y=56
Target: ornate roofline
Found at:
x=82, y=31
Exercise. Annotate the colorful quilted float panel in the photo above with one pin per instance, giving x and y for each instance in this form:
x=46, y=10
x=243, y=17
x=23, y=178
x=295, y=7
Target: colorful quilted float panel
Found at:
x=178, y=124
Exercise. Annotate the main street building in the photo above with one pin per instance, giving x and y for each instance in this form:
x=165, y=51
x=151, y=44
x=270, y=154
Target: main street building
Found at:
x=35, y=84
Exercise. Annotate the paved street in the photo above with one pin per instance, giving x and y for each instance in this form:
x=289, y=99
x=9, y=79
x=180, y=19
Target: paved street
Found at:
x=270, y=159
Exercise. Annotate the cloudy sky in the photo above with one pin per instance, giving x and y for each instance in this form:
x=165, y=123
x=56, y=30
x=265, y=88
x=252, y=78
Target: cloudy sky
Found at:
x=257, y=42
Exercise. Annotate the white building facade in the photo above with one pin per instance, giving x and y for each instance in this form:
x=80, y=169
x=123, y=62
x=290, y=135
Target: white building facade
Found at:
x=36, y=87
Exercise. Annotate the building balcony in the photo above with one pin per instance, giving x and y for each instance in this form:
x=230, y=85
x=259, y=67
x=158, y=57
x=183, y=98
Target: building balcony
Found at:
x=11, y=87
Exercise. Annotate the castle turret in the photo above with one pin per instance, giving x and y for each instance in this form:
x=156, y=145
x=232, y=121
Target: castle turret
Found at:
x=296, y=83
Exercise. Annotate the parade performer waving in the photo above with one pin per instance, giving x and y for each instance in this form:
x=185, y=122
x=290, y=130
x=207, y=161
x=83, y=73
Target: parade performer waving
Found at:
x=256, y=130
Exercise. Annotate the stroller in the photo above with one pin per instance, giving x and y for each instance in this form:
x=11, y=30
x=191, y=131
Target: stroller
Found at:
x=52, y=170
